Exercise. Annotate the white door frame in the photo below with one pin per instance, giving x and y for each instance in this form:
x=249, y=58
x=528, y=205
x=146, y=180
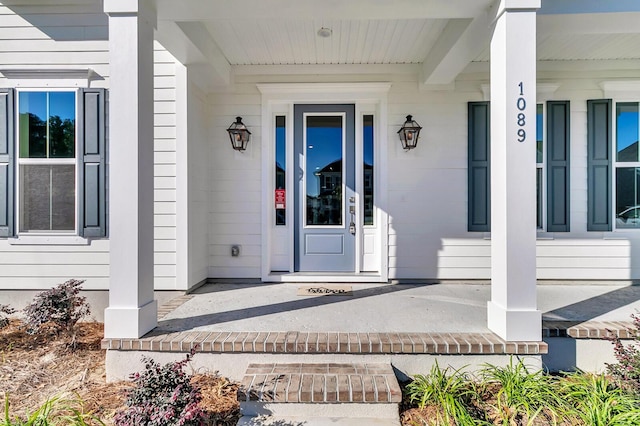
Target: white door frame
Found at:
x=278, y=99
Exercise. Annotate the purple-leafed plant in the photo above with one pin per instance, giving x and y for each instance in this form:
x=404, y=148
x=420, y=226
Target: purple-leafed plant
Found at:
x=60, y=307
x=5, y=311
x=627, y=370
x=163, y=396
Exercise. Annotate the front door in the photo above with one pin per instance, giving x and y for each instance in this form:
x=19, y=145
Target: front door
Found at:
x=325, y=223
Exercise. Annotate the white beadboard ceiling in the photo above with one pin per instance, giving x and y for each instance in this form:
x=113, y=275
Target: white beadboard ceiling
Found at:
x=295, y=42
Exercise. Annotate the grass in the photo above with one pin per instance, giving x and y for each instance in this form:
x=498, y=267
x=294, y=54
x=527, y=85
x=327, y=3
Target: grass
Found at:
x=516, y=395
x=596, y=400
x=522, y=395
x=55, y=411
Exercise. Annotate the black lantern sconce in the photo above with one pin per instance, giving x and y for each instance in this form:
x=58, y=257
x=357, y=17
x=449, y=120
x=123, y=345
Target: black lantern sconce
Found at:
x=239, y=135
x=409, y=133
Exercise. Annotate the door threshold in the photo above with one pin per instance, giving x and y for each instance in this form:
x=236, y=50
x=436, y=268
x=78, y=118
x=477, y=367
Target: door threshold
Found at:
x=325, y=277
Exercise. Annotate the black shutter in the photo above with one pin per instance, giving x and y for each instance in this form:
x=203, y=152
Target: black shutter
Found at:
x=7, y=142
x=558, y=166
x=479, y=169
x=599, y=165
x=92, y=211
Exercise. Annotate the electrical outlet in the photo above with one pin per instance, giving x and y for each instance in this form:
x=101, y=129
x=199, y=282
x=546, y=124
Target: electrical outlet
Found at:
x=235, y=250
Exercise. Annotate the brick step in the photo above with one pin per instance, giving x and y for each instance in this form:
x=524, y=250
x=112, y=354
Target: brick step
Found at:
x=329, y=390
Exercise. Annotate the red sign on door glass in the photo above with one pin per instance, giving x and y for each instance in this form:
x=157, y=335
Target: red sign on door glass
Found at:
x=281, y=199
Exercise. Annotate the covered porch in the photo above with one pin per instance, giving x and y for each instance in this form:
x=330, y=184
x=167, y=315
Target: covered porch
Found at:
x=409, y=325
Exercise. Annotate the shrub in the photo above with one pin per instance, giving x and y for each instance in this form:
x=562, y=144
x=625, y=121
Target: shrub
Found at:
x=595, y=400
x=61, y=307
x=521, y=395
x=5, y=311
x=450, y=389
x=163, y=396
x=55, y=411
x=627, y=370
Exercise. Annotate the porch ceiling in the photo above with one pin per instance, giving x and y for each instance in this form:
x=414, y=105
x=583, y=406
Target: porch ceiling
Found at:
x=438, y=38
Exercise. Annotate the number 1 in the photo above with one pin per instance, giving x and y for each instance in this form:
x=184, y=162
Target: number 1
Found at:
x=521, y=86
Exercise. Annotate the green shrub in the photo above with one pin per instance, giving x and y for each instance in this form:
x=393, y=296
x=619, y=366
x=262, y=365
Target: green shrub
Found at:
x=163, y=396
x=60, y=307
x=55, y=411
x=5, y=311
x=596, y=401
x=450, y=389
x=627, y=370
x=521, y=396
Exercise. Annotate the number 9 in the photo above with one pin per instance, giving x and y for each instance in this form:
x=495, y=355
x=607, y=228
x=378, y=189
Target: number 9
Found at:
x=522, y=135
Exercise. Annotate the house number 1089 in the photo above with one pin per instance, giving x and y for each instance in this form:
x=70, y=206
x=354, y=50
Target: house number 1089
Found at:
x=521, y=104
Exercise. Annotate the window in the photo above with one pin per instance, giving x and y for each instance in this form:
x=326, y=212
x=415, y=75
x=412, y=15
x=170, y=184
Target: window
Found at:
x=52, y=162
x=539, y=166
x=552, y=166
x=627, y=166
x=281, y=170
x=368, y=168
x=47, y=162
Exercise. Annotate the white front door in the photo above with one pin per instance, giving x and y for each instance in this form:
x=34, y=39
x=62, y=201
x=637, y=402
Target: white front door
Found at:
x=325, y=195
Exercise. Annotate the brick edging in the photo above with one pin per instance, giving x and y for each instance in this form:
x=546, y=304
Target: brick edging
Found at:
x=588, y=329
x=295, y=342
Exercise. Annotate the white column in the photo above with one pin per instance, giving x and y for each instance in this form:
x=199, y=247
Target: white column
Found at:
x=512, y=311
x=132, y=310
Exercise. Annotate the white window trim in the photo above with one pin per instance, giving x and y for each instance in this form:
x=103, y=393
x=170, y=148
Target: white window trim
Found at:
x=44, y=237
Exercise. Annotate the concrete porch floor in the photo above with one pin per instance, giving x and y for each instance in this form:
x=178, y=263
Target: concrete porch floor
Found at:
x=410, y=326
x=422, y=308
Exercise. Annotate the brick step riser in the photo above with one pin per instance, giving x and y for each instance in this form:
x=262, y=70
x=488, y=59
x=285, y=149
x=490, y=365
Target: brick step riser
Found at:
x=120, y=364
x=351, y=410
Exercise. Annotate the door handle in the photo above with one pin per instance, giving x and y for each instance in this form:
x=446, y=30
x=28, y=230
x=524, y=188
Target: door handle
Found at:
x=352, y=210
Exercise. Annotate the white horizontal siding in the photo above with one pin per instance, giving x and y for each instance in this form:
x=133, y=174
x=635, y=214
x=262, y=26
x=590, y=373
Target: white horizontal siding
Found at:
x=75, y=36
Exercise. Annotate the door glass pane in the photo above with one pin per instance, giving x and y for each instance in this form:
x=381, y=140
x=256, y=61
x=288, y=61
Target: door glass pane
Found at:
x=539, y=197
x=368, y=169
x=324, y=170
x=539, y=134
x=47, y=198
x=627, y=131
x=281, y=170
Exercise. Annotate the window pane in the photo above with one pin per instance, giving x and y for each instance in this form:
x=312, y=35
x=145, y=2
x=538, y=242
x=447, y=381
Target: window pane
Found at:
x=324, y=170
x=281, y=167
x=47, y=198
x=627, y=131
x=33, y=124
x=539, y=134
x=368, y=169
x=62, y=124
x=627, y=197
x=539, y=197
x=47, y=124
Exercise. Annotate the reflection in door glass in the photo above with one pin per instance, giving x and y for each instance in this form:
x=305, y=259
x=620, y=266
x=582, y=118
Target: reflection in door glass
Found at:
x=368, y=180
x=324, y=170
x=281, y=170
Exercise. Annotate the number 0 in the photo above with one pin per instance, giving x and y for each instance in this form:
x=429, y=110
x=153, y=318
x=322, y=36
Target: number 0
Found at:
x=521, y=104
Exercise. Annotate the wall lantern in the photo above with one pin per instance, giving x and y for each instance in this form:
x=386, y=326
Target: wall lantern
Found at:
x=409, y=133
x=239, y=135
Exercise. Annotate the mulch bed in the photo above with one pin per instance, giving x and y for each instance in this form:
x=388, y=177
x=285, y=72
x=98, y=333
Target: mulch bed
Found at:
x=35, y=368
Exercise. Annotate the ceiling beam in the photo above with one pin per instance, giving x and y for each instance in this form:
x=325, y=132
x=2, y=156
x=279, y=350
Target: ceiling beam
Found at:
x=591, y=23
x=190, y=10
x=193, y=47
x=588, y=6
x=460, y=43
